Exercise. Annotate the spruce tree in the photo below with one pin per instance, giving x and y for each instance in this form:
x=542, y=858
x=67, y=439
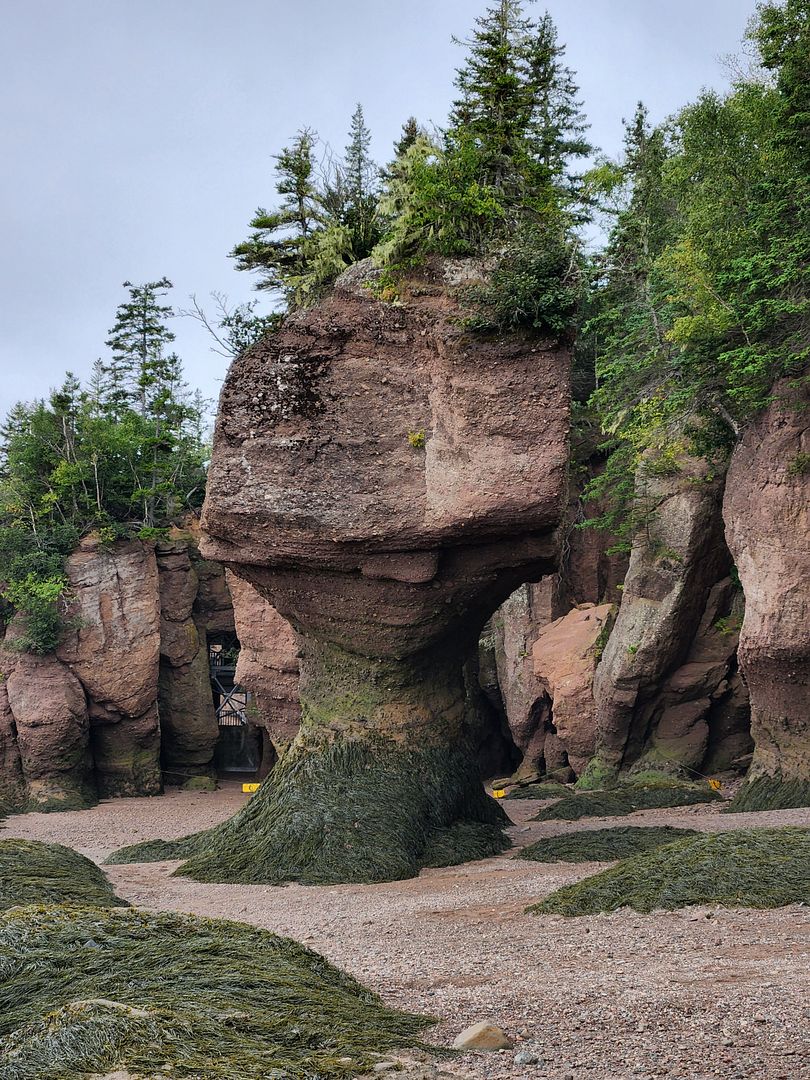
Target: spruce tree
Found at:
x=277, y=248
x=137, y=341
x=360, y=183
x=556, y=129
x=490, y=117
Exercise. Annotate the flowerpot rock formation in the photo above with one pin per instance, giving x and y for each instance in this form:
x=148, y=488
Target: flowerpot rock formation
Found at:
x=384, y=479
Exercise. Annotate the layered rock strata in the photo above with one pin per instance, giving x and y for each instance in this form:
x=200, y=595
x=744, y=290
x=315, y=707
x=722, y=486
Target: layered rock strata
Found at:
x=268, y=664
x=384, y=480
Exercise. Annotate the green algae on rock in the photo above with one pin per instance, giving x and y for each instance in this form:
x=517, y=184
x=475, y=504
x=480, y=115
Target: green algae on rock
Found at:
x=35, y=873
x=752, y=868
x=346, y=811
x=87, y=990
x=626, y=799
x=602, y=845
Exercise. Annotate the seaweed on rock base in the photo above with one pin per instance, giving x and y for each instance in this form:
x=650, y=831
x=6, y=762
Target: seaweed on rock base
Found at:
x=769, y=793
x=746, y=868
x=602, y=845
x=35, y=873
x=626, y=798
x=353, y=810
x=88, y=990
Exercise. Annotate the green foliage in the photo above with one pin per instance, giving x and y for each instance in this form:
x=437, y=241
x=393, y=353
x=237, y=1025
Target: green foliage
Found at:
x=626, y=799
x=37, y=600
x=756, y=868
x=602, y=845
x=497, y=184
x=351, y=811
x=36, y=873
x=327, y=218
x=701, y=298
x=769, y=793
x=417, y=439
x=86, y=991
x=799, y=465
x=126, y=453
x=536, y=284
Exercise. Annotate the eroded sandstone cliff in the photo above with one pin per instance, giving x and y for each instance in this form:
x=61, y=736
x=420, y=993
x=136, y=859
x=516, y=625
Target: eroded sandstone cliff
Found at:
x=384, y=479
x=767, y=517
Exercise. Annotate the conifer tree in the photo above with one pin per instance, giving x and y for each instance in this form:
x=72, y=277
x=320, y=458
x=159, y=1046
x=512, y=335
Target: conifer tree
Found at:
x=408, y=136
x=277, y=248
x=137, y=341
x=556, y=129
x=360, y=182
x=490, y=117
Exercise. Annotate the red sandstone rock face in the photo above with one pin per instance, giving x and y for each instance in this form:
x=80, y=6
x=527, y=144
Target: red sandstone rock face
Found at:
x=12, y=782
x=268, y=661
x=50, y=716
x=188, y=723
x=98, y=694
x=115, y=650
x=115, y=653
x=767, y=517
x=564, y=658
x=317, y=495
x=516, y=626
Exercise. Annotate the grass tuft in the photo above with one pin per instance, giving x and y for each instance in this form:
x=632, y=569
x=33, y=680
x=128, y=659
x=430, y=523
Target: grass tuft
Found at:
x=349, y=811
x=751, y=868
x=36, y=873
x=769, y=793
x=87, y=990
x=626, y=799
x=602, y=845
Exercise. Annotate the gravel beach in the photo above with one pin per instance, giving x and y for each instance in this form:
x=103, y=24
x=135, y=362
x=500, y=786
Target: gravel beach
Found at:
x=693, y=994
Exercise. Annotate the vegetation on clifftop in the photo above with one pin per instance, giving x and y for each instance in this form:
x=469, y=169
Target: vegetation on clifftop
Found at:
x=122, y=456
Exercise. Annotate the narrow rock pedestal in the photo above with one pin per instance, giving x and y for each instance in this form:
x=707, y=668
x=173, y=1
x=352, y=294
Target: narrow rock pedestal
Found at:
x=385, y=480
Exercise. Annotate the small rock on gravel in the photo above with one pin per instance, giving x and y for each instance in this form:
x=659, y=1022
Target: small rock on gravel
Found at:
x=482, y=1036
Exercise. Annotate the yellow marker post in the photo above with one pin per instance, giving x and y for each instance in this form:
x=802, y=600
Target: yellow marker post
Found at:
x=249, y=789
x=715, y=785
x=499, y=793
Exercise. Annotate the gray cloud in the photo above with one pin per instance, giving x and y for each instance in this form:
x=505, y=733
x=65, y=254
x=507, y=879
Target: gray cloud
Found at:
x=137, y=138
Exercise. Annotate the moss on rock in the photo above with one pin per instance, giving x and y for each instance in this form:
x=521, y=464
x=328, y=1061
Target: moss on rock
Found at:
x=35, y=873
x=602, y=845
x=347, y=811
x=756, y=868
x=87, y=990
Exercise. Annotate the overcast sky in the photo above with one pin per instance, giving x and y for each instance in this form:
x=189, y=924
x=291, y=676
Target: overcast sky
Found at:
x=137, y=134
